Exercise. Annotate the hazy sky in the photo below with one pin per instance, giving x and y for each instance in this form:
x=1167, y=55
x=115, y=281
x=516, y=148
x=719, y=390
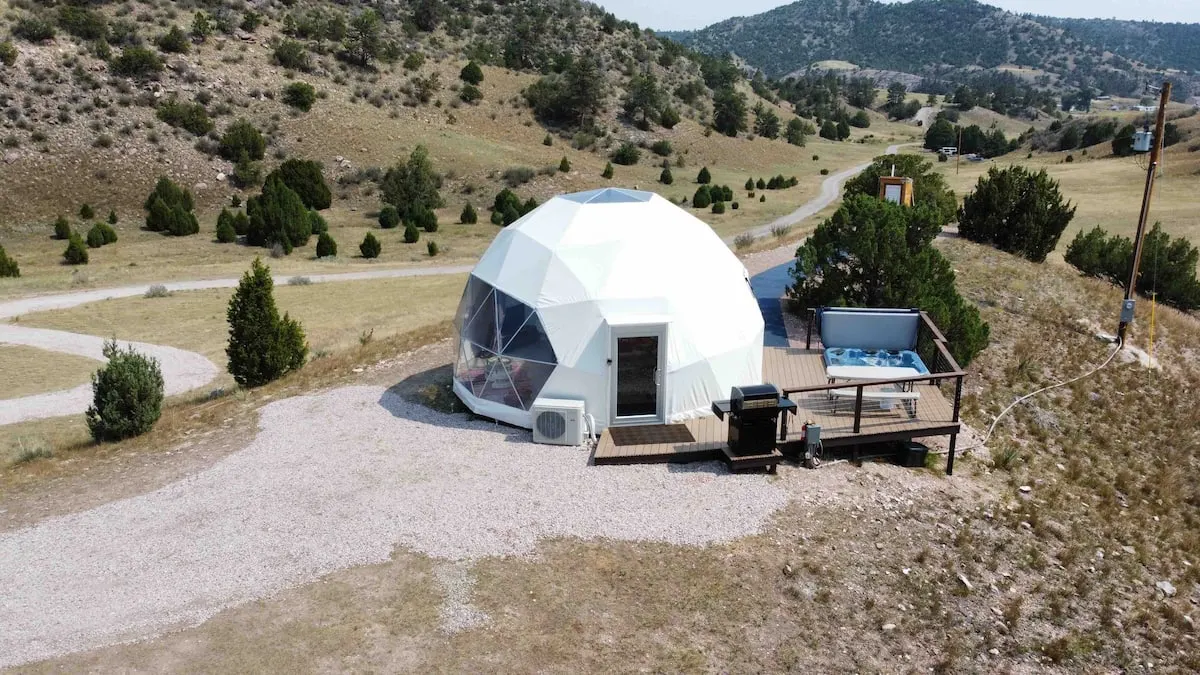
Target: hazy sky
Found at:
x=687, y=14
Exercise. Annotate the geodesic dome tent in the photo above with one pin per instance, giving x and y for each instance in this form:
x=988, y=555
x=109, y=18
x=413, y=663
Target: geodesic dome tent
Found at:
x=614, y=297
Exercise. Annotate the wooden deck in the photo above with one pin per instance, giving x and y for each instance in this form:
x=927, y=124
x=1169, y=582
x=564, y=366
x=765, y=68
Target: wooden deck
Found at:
x=790, y=368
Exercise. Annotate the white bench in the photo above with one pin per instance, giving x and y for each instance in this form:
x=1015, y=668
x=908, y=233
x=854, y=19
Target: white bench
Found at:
x=885, y=396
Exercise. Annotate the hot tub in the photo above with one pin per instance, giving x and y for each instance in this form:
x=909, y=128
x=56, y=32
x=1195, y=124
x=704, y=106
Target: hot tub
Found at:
x=892, y=358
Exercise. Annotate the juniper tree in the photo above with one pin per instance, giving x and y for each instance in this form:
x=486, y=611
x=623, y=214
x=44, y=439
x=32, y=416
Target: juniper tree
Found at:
x=262, y=345
x=127, y=395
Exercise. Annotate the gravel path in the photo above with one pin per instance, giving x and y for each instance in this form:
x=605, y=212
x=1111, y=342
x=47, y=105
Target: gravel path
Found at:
x=332, y=481
x=183, y=371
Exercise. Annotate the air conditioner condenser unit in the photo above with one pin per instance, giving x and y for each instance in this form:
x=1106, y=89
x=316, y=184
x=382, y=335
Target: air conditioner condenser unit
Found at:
x=557, y=421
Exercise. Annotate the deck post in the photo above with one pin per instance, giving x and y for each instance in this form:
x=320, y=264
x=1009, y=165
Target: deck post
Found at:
x=808, y=332
x=858, y=394
x=957, y=396
x=950, y=455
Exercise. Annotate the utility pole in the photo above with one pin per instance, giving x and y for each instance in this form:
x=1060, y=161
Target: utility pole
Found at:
x=1140, y=238
x=958, y=154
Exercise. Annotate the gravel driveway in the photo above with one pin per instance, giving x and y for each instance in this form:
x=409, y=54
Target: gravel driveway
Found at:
x=332, y=481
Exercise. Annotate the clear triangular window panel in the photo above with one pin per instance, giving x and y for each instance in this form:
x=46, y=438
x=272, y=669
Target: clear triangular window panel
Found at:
x=481, y=329
x=511, y=315
x=475, y=367
x=531, y=342
x=498, y=386
x=528, y=378
x=473, y=296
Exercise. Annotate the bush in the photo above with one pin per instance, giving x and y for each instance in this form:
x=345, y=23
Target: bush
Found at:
x=112, y=217
x=241, y=223
x=136, y=62
x=1168, y=267
x=627, y=155
x=702, y=199
x=548, y=140
x=326, y=246
x=824, y=172
x=95, y=237
x=470, y=93
x=468, y=217
x=762, y=198
x=76, y=252
x=861, y=120
x=704, y=177
x=471, y=73
x=174, y=41
x=389, y=217
x=432, y=248
x=668, y=118
x=8, y=266
x=425, y=219
x=317, y=223
x=718, y=207
x=190, y=116
x=156, y=291
x=305, y=178
x=300, y=95
x=665, y=177
x=262, y=346
x=743, y=240
x=608, y=171
x=169, y=209
x=291, y=54
x=1016, y=211
x=662, y=148
x=735, y=206
x=32, y=29
x=242, y=136
x=564, y=166
x=110, y=235
x=277, y=216
x=761, y=184
x=86, y=212
x=8, y=52
x=127, y=395
x=370, y=247
x=225, y=232
x=411, y=234
x=62, y=228
x=517, y=176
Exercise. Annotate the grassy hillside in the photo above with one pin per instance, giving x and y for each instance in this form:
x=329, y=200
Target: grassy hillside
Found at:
x=77, y=132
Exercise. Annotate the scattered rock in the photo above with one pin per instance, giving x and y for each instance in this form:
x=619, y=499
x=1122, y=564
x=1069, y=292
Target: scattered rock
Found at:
x=11, y=156
x=889, y=627
x=1167, y=588
x=221, y=177
x=788, y=571
x=200, y=187
x=879, y=546
x=1026, y=489
x=1129, y=549
x=966, y=582
x=994, y=652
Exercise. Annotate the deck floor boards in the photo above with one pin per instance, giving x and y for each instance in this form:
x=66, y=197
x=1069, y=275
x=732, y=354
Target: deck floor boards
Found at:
x=789, y=367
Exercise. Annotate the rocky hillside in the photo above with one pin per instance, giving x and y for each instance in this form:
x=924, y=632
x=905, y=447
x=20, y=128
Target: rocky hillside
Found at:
x=100, y=97
x=937, y=38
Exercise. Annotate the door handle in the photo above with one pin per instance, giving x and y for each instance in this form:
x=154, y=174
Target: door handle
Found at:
x=657, y=377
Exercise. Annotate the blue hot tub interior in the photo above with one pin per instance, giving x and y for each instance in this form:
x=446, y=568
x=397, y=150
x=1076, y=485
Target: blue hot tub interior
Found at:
x=895, y=358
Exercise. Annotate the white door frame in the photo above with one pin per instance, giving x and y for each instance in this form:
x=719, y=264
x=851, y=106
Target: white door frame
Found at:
x=658, y=330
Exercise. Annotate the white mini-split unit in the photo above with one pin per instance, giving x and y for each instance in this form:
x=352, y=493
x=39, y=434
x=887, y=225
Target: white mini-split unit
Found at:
x=557, y=421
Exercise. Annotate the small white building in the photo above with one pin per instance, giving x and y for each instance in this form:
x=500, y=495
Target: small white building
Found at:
x=617, y=298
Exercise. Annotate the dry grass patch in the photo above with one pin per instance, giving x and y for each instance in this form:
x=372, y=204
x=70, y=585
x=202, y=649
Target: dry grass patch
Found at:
x=334, y=315
x=28, y=370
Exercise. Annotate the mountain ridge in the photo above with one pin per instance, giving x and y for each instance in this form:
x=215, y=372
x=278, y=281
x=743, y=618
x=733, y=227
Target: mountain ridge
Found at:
x=922, y=37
